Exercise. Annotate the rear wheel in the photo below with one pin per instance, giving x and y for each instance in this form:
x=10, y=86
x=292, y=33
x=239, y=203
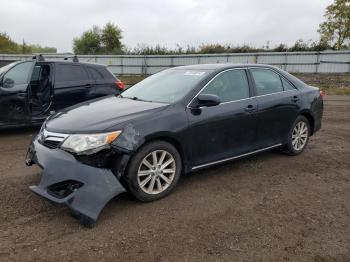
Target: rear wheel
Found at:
x=298, y=136
x=154, y=171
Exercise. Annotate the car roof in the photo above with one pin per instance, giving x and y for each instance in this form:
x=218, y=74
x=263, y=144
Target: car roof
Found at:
x=70, y=62
x=221, y=66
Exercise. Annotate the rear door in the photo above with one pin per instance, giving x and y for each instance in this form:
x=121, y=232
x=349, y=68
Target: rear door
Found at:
x=72, y=85
x=14, y=100
x=228, y=129
x=278, y=106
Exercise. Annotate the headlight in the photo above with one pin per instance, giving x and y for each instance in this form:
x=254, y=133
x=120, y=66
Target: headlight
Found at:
x=85, y=144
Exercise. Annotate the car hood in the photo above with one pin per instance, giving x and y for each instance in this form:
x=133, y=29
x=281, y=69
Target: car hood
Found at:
x=101, y=114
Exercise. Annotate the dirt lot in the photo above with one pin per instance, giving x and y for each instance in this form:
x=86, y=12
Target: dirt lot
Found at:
x=269, y=207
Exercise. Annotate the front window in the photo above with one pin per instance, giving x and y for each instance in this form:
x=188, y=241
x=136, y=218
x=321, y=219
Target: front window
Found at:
x=229, y=86
x=18, y=75
x=168, y=86
x=6, y=67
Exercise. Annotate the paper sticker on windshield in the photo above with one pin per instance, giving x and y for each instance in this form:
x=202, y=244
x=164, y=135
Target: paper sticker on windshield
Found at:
x=194, y=73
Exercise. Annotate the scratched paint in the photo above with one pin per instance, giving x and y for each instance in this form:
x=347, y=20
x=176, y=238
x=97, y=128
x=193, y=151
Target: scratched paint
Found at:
x=129, y=138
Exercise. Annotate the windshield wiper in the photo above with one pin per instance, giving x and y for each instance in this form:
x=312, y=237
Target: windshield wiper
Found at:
x=136, y=98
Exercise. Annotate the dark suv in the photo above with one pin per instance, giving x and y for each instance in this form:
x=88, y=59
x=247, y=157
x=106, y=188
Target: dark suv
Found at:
x=31, y=90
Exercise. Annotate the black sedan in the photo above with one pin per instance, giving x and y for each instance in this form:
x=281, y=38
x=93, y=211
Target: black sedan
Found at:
x=174, y=122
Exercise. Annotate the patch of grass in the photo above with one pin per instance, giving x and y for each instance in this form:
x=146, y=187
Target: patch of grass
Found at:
x=332, y=84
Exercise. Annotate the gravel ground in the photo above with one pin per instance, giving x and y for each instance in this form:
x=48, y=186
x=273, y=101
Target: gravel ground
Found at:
x=269, y=207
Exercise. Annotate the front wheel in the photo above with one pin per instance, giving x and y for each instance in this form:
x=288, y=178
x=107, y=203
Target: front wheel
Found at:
x=154, y=171
x=298, y=136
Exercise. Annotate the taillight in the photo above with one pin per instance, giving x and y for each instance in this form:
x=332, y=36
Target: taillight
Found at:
x=322, y=93
x=119, y=84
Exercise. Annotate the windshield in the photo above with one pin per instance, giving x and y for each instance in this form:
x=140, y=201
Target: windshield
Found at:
x=168, y=86
x=5, y=68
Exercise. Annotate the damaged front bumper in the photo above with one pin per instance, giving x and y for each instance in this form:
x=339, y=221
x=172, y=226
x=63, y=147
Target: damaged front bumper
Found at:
x=83, y=188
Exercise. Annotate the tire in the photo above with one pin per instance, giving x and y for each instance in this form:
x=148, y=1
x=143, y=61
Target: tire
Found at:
x=298, y=140
x=147, y=181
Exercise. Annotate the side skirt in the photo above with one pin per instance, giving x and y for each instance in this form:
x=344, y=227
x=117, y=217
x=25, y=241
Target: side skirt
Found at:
x=234, y=157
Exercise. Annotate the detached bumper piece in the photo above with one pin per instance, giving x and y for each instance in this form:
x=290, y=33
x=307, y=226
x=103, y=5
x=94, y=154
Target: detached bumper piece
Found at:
x=84, y=189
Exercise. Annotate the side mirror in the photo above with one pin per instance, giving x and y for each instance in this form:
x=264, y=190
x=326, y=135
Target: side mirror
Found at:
x=207, y=100
x=8, y=83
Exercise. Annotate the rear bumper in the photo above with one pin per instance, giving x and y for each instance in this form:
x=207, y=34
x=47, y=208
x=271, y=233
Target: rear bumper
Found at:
x=84, y=189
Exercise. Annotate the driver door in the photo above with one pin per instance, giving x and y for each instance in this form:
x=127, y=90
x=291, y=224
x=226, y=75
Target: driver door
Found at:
x=228, y=129
x=14, y=100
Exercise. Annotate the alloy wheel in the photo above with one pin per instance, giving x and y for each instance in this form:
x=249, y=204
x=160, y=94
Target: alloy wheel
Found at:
x=156, y=172
x=300, y=135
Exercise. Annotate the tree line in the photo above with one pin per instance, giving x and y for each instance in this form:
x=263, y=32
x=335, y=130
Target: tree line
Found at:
x=8, y=46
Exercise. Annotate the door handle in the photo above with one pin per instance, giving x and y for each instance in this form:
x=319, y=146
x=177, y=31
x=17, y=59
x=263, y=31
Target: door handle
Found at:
x=249, y=108
x=295, y=99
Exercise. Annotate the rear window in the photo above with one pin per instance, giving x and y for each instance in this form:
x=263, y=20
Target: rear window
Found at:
x=70, y=73
x=266, y=81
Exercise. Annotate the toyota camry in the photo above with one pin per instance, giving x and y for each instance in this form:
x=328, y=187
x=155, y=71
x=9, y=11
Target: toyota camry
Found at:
x=172, y=123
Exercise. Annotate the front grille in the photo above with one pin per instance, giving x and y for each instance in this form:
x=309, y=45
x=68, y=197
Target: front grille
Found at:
x=50, y=139
x=51, y=144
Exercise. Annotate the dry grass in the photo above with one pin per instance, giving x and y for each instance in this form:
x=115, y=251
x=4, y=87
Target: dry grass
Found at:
x=332, y=84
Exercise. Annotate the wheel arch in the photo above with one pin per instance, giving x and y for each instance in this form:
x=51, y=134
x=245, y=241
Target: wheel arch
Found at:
x=171, y=140
x=309, y=116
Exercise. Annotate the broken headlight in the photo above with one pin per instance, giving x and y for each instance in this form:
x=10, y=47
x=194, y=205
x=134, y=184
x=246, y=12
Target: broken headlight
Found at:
x=85, y=144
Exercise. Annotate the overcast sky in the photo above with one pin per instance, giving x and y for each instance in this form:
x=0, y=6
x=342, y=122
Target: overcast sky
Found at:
x=164, y=22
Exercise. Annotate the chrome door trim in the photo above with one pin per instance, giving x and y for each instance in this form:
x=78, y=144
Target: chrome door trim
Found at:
x=235, y=157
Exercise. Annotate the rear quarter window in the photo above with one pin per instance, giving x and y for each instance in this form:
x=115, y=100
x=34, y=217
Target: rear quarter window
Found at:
x=104, y=71
x=70, y=73
x=96, y=75
x=287, y=85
